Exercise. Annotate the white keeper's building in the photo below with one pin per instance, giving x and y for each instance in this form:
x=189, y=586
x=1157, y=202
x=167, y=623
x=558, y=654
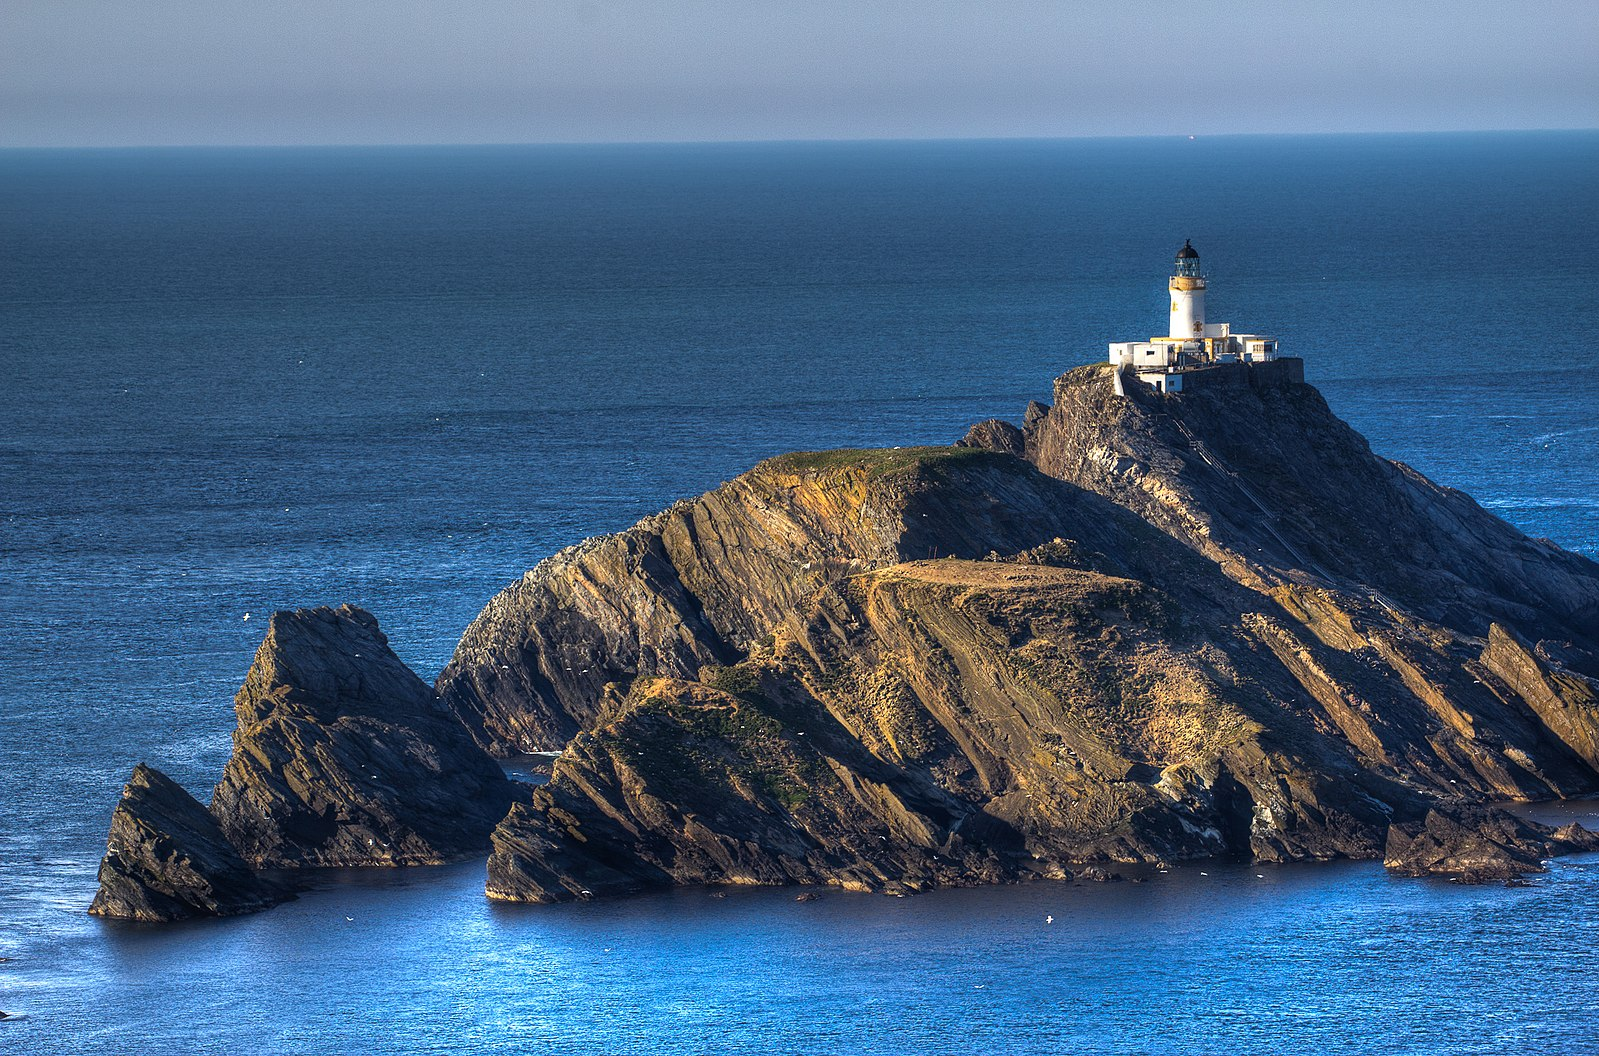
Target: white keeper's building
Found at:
x=1192, y=343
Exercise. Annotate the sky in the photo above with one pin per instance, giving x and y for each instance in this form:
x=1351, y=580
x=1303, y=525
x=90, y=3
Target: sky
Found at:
x=144, y=72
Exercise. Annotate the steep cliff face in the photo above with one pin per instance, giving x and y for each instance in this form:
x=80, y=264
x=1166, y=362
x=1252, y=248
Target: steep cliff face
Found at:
x=1132, y=630
x=1219, y=625
x=1255, y=471
x=1372, y=569
x=1097, y=717
x=944, y=722
x=343, y=757
x=167, y=859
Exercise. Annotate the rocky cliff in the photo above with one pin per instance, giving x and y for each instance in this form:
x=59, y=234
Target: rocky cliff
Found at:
x=1255, y=472
x=1134, y=629
x=704, y=581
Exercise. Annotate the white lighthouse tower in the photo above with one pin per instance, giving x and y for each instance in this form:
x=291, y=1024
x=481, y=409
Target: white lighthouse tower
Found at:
x=1187, y=288
x=1191, y=344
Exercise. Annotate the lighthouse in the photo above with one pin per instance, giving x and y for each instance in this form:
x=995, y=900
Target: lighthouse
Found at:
x=1187, y=287
x=1190, y=344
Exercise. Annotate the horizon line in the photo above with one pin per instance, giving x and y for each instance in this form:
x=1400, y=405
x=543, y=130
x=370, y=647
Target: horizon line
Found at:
x=781, y=140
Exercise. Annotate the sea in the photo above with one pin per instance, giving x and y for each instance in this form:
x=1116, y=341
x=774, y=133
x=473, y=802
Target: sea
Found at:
x=240, y=380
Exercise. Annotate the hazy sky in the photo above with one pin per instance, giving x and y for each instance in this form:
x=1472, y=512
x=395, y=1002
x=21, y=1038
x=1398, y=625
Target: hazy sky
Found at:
x=475, y=71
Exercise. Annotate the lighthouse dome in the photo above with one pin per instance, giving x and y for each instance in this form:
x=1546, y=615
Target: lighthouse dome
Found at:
x=1188, y=252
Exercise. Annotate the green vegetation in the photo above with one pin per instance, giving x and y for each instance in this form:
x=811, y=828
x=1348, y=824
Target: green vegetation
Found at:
x=878, y=462
x=705, y=747
x=739, y=682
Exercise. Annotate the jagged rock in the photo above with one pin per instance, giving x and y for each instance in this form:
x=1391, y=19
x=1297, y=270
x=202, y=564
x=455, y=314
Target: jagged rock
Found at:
x=529, y=866
x=1180, y=627
x=1100, y=875
x=995, y=435
x=1216, y=624
x=956, y=715
x=167, y=859
x=343, y=757
x=1478, y=845
x=1564, y=701
x=1252, y=468
x=1362, y=568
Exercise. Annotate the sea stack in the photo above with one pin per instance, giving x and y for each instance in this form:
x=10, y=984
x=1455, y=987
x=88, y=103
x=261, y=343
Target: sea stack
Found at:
x=167, y=859
x=343, y=757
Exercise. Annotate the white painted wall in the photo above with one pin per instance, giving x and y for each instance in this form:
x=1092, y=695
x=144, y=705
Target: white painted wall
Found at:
x=1187, y=310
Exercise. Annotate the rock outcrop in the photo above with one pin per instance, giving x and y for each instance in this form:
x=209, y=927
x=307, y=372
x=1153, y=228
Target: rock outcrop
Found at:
x=1254, y=471
x=1210, y=624
x=167, y=859
x=343, y=757
x=692, y=783
x=1477, y=845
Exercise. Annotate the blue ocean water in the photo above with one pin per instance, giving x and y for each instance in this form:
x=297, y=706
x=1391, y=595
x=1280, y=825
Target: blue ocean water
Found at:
x=241, y=380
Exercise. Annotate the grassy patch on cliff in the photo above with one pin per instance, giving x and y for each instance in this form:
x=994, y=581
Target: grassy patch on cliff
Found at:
x=709, y=742
x=878, y=462
x=738, y=682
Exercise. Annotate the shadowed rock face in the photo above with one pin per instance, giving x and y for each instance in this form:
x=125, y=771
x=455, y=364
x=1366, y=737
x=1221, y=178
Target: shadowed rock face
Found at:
x=692, y=784
x=167, y=859
x=343, y=757
x=1218, y=625
x=1255, y=471
x=1476, y=845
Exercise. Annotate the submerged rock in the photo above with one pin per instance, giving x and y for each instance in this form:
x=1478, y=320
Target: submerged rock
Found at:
x=167, y=859
x=343, y=757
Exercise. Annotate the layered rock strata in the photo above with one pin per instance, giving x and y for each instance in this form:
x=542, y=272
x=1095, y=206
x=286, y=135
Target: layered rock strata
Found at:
x=703, y=581
x=1177, y=627
x=1134, y=629
x=167, y=859
x=343, y=757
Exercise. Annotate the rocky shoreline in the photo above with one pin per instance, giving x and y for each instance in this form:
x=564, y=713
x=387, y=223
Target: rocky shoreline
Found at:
x=1135, y=630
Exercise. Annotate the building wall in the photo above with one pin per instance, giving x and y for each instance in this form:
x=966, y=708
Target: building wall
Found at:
x=1289, y=370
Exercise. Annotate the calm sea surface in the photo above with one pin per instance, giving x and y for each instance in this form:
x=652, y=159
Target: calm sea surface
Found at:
x=233, y=381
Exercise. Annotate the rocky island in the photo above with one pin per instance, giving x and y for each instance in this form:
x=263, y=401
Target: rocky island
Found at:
x=1139, y=628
